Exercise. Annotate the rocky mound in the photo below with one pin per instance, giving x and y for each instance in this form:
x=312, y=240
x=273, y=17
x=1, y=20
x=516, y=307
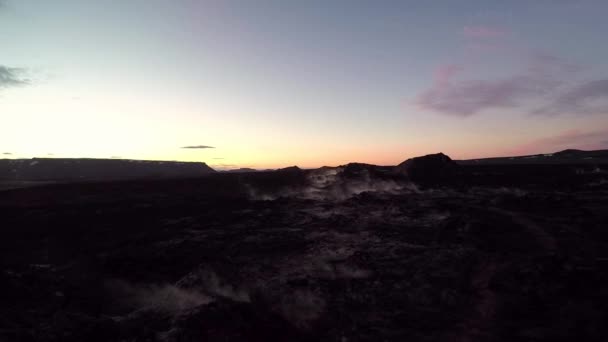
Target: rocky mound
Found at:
x=430, y=168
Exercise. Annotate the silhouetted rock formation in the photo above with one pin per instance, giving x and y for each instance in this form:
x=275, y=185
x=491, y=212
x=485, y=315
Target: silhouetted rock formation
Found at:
x=430, y=168
x=290, y=169
x=40, y=169
x=569, y=152
x=242, y=170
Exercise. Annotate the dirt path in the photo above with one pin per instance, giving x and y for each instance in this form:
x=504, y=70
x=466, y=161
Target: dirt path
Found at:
x=544, y=239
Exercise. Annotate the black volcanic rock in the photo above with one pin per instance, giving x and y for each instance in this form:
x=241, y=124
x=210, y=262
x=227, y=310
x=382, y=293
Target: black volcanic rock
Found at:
x=45, y=169
x=357, y=170
x=274, y=182
x=430, y=168
x=225, y=320
x=504, y=257
x=366, y=171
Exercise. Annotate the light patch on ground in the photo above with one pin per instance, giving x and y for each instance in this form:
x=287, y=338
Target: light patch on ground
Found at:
x=208, y=282
x=167, y=298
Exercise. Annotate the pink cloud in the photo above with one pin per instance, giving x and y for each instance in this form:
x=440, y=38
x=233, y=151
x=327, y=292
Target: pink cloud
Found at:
x=465, y=98
x=586, y=140
x=483, y=32
x=456, y=97
x=548, y=63
x=445, y=73
x=546, y=85
x=544, y=76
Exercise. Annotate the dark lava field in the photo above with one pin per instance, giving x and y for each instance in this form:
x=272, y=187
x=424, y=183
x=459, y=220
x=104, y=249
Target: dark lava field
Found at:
x=430, y=250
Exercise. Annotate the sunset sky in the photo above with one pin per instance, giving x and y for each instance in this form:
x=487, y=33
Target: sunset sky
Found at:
x=307, y=83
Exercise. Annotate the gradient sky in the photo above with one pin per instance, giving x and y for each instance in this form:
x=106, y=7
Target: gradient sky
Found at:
x=308, y=83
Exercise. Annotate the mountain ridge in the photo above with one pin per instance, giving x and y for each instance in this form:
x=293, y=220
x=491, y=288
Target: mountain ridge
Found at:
x=567, y=156
x=74, y=169
x=427, y=166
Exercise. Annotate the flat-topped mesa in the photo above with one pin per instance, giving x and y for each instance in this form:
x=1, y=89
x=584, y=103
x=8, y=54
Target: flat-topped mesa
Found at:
x=42, y=169
x=430, y=168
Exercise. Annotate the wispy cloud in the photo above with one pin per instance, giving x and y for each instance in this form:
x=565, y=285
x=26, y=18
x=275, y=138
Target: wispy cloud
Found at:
x=12, y=77
x=452, y=95
x=198, y=147
x=587, y=98
x=7, y=154
x=545, y=85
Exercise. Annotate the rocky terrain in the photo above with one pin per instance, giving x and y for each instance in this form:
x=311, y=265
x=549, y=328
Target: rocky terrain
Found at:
x=430, y=250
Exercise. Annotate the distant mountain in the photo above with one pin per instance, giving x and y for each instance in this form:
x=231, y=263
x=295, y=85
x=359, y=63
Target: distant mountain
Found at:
x=242, y=170
x=569, y=156
x=55, y=169
x=290, y=169
x=432, y=167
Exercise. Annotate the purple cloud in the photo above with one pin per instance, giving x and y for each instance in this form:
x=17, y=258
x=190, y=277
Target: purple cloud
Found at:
x=444, y=74
x=547, y=82
x=455, y=97
x=544, y=76
x=587, y=98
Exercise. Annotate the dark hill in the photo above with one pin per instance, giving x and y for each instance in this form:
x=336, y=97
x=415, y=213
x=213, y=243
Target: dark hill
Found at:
x=242, y=170
x=432, y=167
x=290, y=169
x=55, y=169
x=570, y=156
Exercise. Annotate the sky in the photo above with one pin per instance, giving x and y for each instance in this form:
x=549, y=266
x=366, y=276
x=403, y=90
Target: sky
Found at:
x=270, y=84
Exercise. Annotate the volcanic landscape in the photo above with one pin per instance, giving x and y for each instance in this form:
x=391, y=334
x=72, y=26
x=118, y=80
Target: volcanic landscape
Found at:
x=502, y=249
